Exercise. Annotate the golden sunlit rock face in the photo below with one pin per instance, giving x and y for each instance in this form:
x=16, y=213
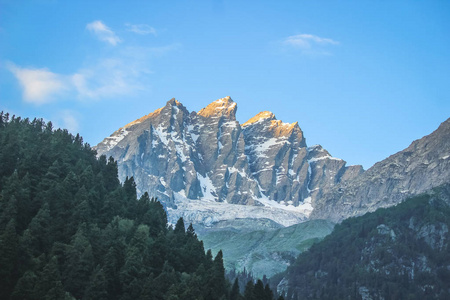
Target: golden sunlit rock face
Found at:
x=277, y=127
x=224, y=107
x=285, y=129
x=261, y=116
x=140, y=120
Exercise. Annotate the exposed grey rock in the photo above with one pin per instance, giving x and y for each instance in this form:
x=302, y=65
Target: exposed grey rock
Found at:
x=385, y=230
x=325, y=172
x=420, y=167
x=434, y=235
x=364, y=293
x=276, y=153
x=208, y=155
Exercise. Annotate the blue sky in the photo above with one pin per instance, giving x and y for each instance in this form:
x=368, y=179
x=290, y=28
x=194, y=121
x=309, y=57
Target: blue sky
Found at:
x=363, y=78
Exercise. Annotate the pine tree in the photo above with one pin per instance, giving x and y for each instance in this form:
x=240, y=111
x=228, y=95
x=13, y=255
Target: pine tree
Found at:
x=216, y=282
x=179, y=227
x=191, y=232
x=148, y=288
x=234, y=294
x=25, y=287
x=39, y=229
x=8, y=210
x=258, y=290
x=56, y=292
x=79, y=264
x=8, y=259
x=49, y=283
x=111, y=270
x=155, y=218
x=268, y=292
x=97, y=288
x=164, y=281
x=249, y=293
x=111, y=175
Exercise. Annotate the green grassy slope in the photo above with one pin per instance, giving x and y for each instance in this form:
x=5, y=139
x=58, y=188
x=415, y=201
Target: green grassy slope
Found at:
x=264, y=252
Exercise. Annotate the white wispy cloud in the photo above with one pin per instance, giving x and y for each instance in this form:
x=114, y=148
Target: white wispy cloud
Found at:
x=39, y=85
x=110, y=77
x=124, y=71
x=309, y=43
x=143, y=29
x=163, y=50
x=103, y=32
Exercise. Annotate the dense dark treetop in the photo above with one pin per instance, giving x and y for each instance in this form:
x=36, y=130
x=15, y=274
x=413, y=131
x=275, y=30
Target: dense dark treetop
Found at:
x=70, y=230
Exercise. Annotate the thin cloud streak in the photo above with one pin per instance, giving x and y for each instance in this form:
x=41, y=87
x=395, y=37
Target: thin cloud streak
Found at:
x=309, y=43
x=103, y=32
x=142, y=29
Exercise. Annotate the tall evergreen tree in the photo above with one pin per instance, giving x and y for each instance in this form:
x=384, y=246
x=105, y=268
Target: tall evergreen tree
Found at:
x=235, y=294
x=259, y=292
x=97, y=288
x=48, y=285
x=8, y=259
x=249, y=293
x=217, y=277
x=25, y=287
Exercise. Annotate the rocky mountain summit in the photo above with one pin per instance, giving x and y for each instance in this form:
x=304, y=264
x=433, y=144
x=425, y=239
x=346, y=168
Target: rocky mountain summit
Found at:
x=182, y=157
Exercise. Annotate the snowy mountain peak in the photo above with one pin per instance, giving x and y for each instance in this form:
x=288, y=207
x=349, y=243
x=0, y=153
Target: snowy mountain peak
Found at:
x=173, y=110
x=222, y=107
x=174, y=104
x=178, y=156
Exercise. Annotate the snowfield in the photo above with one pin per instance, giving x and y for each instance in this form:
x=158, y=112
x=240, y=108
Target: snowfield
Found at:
x=207, y=212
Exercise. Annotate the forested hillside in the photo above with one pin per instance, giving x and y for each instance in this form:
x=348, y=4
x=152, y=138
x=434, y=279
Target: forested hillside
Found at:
x=401, y=252
x=70, y=230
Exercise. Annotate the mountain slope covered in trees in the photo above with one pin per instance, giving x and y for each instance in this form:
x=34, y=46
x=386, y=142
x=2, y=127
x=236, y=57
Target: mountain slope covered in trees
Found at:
x=70, y=230
x=402, y=252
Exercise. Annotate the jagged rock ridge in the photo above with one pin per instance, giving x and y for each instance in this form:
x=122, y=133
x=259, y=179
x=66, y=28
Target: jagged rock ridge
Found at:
x=423, y=165
x=175, y=154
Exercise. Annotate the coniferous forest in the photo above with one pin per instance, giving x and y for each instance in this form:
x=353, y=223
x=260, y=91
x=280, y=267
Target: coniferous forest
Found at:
x=70, y=230
x=400, y=252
